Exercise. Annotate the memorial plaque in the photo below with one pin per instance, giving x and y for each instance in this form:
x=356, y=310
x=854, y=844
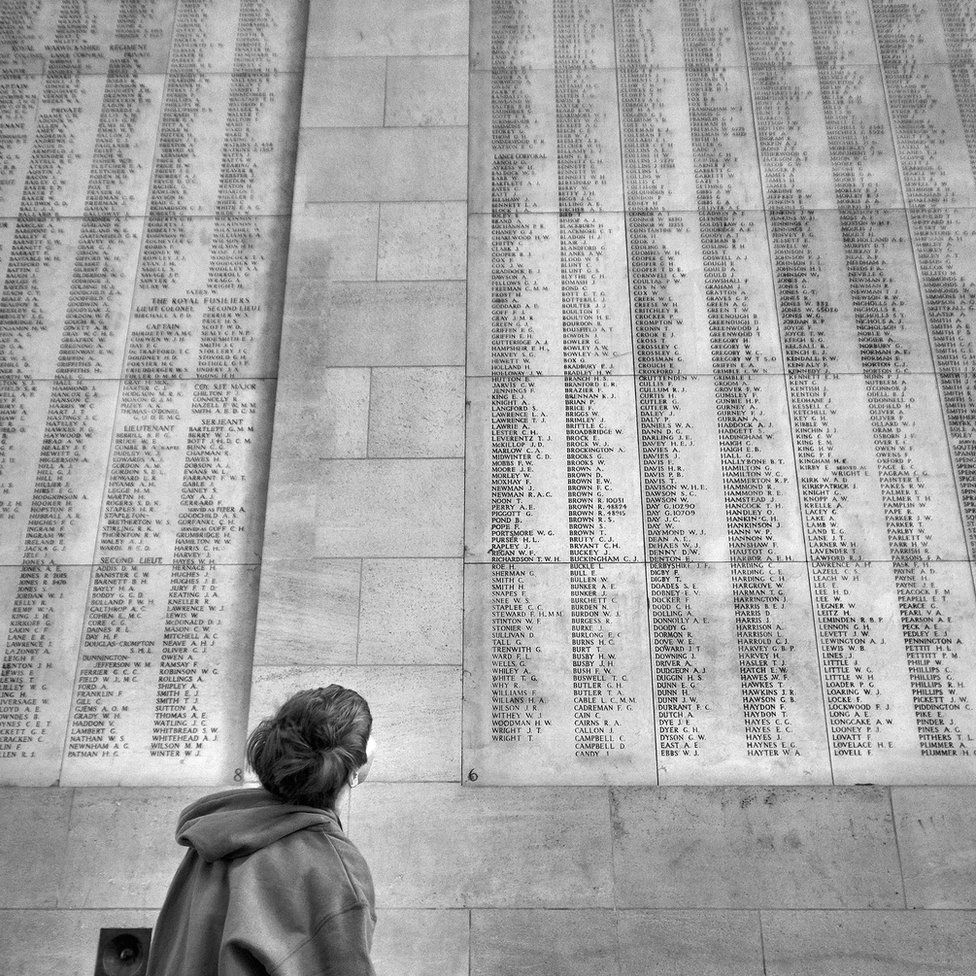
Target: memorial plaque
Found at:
x=147, y=157
x=720, y=506
x=720, y=494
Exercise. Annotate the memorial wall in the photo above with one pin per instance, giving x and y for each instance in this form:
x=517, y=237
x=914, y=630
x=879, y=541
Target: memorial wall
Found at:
x=721, y=506
x=146, y=165
x=720, y=492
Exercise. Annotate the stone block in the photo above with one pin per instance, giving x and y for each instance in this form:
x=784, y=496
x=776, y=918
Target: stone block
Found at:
x=937, y=844
x=33, y=839
x=396, y=323
x=122, y=850
x=389, y=508
x=410, y=612
x=689, y=943
x=543, y=943
x=869, y=943
x=422, y=241
x=452, y=846
x=427, y=91
x=327, y=420
x=334, y=240
x=727, y=847
x=421, y=943
x=289, y=528
x=374, y=27
x=345, y=91
x=381, y=164
x=417, y=412
x=308, y=612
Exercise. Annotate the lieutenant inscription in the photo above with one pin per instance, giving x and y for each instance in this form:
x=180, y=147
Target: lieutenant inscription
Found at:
x=146, y=159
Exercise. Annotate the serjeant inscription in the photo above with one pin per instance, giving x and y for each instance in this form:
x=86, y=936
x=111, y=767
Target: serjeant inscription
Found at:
x=147, y=155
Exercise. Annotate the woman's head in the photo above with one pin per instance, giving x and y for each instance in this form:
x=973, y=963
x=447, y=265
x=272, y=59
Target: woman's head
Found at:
x=313, y=746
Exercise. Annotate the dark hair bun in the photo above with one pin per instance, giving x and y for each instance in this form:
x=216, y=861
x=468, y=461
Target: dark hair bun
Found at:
x=308, y=751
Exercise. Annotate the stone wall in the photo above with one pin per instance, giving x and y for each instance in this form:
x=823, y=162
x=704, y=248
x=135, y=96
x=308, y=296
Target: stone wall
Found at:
x=361, y=584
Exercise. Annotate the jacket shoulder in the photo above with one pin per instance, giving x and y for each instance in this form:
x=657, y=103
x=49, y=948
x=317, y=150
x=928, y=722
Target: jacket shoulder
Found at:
x=347, y=854
x=323, y=862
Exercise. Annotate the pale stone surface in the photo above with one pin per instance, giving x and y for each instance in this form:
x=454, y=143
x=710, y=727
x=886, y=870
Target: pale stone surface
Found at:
x=308, y=612
x=33, y=837
x=421, y=241
x=410, y=611
x=122, y=850
x=421, y=943
x=289, y=528
x=427, y=91
x=448, y=846
x=400, y=323
x=334, y=240
x=381, y=164
x=723, y=847
x=416, y=713
x=869, y=943
x=388, y=508
x=417, y=412
x=621, y=943
x=937, y=843
x=327, y=420
x=689, y=943
x=543, y=943
x=374, y=27
x=38, y=943
x=345, y=91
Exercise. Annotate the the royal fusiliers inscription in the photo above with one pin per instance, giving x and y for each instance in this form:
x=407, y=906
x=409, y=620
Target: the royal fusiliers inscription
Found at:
x=146, y=160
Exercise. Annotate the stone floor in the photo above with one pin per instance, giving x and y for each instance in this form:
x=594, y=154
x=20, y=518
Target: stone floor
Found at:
x=362, y=584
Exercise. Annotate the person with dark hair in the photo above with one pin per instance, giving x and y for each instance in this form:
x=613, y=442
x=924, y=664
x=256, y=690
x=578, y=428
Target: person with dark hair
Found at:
x=271, y=884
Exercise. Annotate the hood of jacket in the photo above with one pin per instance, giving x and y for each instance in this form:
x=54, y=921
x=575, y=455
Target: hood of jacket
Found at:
x=240, y=822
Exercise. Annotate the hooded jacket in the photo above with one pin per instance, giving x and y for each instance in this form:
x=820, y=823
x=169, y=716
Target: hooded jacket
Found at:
x=265, y=889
